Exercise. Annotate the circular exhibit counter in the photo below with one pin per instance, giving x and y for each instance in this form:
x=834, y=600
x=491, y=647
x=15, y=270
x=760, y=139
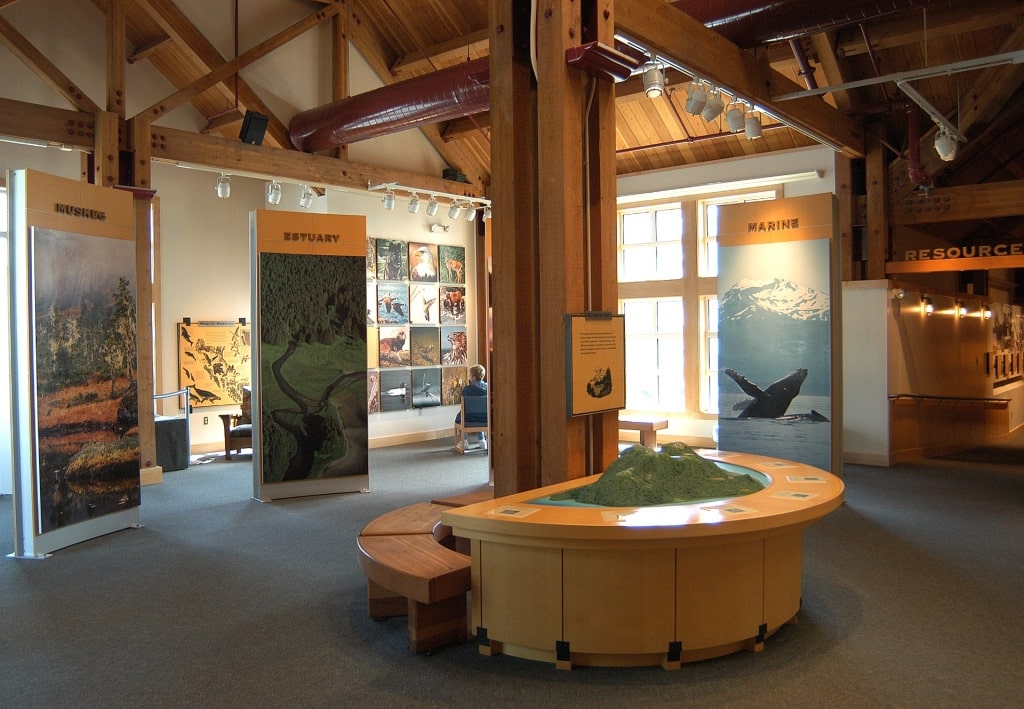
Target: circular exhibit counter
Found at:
x=620, y=586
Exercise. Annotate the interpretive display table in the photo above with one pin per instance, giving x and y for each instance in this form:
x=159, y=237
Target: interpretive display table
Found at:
x=614, y=586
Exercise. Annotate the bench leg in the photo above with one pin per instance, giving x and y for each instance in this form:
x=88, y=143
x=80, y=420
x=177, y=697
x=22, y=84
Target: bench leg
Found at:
x=437, y=624
x=383, y=603
x=649, y=439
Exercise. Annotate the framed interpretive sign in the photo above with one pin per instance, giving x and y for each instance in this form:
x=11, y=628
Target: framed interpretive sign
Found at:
x=596, y=363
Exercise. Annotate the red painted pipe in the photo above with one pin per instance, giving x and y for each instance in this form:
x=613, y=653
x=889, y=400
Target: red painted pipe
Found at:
x=442, y=95
x=751, y=23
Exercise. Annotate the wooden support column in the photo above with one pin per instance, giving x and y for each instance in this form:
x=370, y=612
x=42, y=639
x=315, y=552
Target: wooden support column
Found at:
x=340, y=64
x=514, y=375
x=877, y=232
x=107, y=153
x=844, y=194
x=601, y=222
x=553, y=186
x=562, y=270
x=140, y=137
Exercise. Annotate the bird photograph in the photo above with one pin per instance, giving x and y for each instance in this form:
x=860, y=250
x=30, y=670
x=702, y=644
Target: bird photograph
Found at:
x=394, y=390
x=392, y=302
x=423, y=262
x=424, y=346
x=426, y=388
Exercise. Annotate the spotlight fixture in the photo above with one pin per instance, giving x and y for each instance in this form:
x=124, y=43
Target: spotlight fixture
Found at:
x=432, y=206
x=654, y=79
x=752, y=126
x=986, y=312
x=926, y=306
x=414, y=203
x=439, y=227
x=945, y=146
x=696, y=97
x=470, y=212
x=388, y=200
x=390, y=190
x=734, y=118
x=223, y=186
x=274, y=192
x=306, y=195
x=961, y=309
x=455, y=210
x=714, y=106
x=487, y=211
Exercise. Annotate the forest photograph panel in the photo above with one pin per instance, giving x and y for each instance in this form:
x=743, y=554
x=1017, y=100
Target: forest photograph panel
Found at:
x=87, y=411
x=313, y=400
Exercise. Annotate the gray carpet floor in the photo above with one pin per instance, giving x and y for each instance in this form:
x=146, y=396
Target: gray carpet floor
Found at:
x=913, y=596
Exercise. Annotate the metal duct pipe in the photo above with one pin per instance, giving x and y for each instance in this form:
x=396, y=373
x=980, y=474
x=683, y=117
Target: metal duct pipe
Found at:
x=449, y=93
x=750, y=23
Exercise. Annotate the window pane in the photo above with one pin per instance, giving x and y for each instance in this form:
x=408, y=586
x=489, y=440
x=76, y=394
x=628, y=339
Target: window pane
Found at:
x=712, y=314
x=670, y=315
x=636, y=228
x=638, y=263
x=669, y=223
x=670, y=261
x=641, y=316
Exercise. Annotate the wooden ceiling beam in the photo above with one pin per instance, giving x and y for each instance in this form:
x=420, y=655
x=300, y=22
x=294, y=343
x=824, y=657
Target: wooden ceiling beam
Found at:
x=20, y=47
x=987, y=95
x=944, y=20
x=661, y=28
x=442, y=55
x=470, y=126
x=170, y=145
x=953, y=204
x=56, y=126
x=188, y=39
x=232, y=67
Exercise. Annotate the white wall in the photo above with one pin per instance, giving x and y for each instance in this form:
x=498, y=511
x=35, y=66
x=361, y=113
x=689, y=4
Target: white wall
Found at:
x=865, y=372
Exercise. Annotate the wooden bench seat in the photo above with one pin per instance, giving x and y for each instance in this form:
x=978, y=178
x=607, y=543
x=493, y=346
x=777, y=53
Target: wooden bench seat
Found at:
x=409, y=571
x=648, y=428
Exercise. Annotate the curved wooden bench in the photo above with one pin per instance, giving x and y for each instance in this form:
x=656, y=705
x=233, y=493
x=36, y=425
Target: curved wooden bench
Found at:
x=410, y=571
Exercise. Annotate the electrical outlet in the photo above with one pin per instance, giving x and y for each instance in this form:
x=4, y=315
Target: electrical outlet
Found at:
x=206, y=420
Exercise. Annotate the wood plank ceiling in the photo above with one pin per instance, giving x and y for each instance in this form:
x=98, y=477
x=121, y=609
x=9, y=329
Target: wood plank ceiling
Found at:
x=406, y=38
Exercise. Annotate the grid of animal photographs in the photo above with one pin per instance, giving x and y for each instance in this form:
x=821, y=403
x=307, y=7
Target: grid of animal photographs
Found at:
x=417, y=353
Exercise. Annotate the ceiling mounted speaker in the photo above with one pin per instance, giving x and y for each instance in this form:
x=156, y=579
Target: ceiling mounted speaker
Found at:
x=254, y=127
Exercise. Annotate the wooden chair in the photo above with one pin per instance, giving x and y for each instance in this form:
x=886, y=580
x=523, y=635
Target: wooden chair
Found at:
x=238, y=427
x=472, y=410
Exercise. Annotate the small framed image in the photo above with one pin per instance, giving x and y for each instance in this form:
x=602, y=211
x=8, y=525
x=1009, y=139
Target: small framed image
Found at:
x=424, y=347
x=392, y=260
x=422, y=262
x=423, y=305
x=393, y=347
x=452, y=263
x=392, y=303
x=372, y=391
x=454, y=346
x=453, y=305
x=453, y=381
x=394, y=390
x=426, y=387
